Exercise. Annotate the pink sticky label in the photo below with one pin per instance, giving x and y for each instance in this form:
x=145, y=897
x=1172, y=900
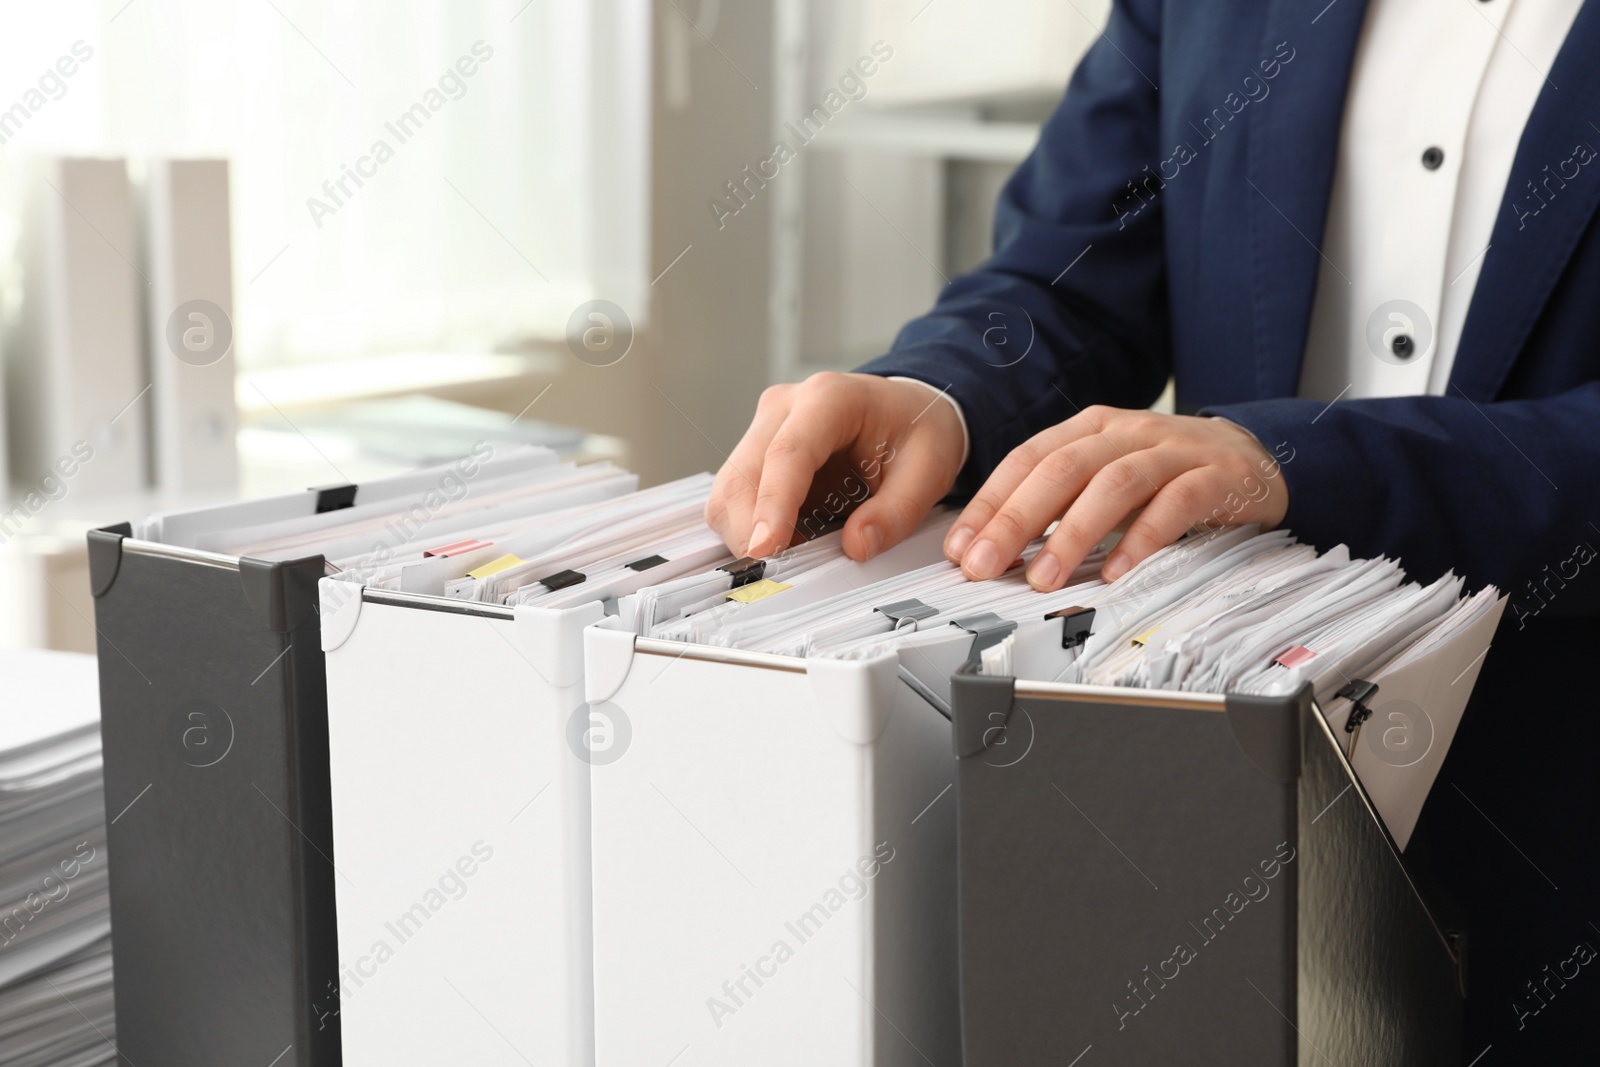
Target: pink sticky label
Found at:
x=1294, y=656
x=457, y=548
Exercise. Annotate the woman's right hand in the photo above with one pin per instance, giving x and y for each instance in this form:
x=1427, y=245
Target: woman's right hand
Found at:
x=881, y=451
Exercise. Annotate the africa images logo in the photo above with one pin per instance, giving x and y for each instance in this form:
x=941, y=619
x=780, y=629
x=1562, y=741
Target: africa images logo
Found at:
x=202, y=733
x=599, y=333
x=1400, y=733
x=199, y=332
x=599, y=734
x=1399, y=332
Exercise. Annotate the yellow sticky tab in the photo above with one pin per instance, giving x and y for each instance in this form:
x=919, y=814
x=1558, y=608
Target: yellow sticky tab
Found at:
x=1145, y=637
x=749, y=594
x=494, y=566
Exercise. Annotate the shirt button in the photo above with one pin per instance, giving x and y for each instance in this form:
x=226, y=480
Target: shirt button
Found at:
x=1432, y=158
x=1402, y=345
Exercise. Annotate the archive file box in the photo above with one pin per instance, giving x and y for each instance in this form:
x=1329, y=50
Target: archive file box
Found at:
x=213, y=706
x=213, y=721
x=774, y=857
x=1150, y=875
x=462, y=751
x=460, y=809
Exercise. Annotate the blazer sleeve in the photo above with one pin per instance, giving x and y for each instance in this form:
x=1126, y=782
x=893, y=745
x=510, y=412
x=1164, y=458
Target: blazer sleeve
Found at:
x=1502, y=492
x=1071, y=309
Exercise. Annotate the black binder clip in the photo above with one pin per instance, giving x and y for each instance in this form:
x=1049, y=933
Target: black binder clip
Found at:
x=1077, y=625
x=562, y=579
x=334, y=497
x=986, y=629
x=646, y=563
x=906, y=614
x=1358, y=692
x=745, y=570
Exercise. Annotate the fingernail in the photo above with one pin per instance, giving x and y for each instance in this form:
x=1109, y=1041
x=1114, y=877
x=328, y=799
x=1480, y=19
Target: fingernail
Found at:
x=872, y=537
x=960, y=538
x=759, y=537
x=983, y=561
x=1116, y=566
x=1044, y=572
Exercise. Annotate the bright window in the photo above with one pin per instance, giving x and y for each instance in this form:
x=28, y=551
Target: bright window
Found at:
x=405, y=176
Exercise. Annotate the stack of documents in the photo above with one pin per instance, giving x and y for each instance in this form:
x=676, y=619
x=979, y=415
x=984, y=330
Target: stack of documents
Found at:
x=505, y=530
x=55, y=946
x=1234, y=611
x=1228, y=611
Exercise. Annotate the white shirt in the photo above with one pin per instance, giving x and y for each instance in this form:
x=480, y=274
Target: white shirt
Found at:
x=1459, y=76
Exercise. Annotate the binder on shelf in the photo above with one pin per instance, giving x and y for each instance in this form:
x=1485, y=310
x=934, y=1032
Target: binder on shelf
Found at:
x=773, y=857
x=1153, y=874
x=75, y=386
x=188, y=252
x=214, y=730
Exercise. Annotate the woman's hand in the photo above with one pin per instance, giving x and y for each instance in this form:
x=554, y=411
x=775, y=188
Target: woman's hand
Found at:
x=881, y=451
x=1099, y=467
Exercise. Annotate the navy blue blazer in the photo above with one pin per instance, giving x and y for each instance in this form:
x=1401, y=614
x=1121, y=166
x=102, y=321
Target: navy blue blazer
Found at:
x=1167, y=224
x=1175, y=232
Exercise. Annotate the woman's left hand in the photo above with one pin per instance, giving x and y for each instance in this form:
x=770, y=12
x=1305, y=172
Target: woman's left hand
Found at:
x=1096, y=469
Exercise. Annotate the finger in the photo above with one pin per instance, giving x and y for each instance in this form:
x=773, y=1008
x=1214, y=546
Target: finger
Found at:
x=733, y=494
x=912, y=482
x=1124, y=429
x=1119, y=488
x=1173, y=511
x=1038, y=500
x=823, y=420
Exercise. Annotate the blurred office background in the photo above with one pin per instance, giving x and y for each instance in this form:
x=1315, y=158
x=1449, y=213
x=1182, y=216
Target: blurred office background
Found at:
x=418, y=224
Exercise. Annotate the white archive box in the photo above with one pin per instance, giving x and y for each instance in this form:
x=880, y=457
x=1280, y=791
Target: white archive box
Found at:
x=459, y=733
x=774, y=856
x=460, y=817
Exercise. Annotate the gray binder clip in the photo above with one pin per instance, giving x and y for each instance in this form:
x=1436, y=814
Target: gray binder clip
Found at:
x=1077, y=625
x=1358, y=692
x=745, y=570
x=561, y=580
x=986, y=629
x=334, y=497
x=907, y=614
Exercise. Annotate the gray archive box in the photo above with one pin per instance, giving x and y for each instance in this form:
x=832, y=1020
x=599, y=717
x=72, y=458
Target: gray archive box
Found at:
x=213, y=719
x=1150, y=877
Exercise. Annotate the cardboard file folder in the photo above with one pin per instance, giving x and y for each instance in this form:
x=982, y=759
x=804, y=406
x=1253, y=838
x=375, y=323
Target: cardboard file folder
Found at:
x=1151, y=876
x=774, y=868
x=213, y=719
x=461, y=813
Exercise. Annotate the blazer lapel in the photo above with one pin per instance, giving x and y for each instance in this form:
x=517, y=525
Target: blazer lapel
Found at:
x=1548, y=202
x=1294, y=138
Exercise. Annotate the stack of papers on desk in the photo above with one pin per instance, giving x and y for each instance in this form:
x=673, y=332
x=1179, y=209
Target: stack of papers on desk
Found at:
x=55, y=922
